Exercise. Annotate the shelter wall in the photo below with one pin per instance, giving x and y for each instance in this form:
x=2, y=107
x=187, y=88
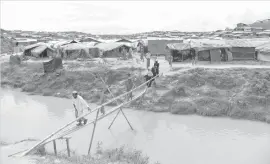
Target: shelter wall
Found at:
x=243, y=53
x=158, y=47
x=264, y=56
x=204, y=55
x=215, y=55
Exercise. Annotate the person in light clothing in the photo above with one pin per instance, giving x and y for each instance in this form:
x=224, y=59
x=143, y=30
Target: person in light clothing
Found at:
x=80, y=105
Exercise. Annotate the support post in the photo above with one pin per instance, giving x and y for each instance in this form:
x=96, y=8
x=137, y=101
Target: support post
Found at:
x=68, y=149
x=114, y=119
x=117, y=104
x=94, y=128
x=54, y=147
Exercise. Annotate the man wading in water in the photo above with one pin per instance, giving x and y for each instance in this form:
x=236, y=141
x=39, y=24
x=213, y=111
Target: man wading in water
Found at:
x=80, y=105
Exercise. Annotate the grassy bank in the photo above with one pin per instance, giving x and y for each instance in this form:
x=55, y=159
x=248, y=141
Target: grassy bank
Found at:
x=120, y=155
x=236, y=92
x=30, y=78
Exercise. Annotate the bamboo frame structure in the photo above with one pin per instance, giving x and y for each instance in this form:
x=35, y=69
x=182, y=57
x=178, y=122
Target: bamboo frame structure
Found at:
x=120, y=109
x=45, y=140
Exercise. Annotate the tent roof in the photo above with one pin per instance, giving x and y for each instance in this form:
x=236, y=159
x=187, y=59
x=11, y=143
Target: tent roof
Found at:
x=39, y=49
x=124, y=40
x=111, y=46
x=76, y=46
x=198, y=46
x=65, y=42
x=33, y=45
x=264, y=47
x=90, y=39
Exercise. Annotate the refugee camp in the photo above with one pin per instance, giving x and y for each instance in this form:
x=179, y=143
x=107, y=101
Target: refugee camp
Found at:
x=135, y=82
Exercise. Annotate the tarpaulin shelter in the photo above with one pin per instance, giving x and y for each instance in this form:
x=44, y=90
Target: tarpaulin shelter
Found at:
x=241, y=49
x=113, y=49
x=263, y=52
x=157, y=46
x=79, y=50
x=39, y=50
x=206, y=52
x=52, y=65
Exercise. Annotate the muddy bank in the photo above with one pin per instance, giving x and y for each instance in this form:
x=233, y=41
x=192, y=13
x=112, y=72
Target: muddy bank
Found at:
x=240, y=93
x=235, y=92
x=30, y=78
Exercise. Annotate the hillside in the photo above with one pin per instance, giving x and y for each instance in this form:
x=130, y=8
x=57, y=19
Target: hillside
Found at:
x=265, y=24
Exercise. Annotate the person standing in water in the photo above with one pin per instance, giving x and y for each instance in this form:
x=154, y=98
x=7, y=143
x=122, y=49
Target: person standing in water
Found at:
x=79, y=105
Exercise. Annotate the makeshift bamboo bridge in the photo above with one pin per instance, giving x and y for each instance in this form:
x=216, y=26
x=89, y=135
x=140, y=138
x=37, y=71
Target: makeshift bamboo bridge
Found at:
x=69, y=128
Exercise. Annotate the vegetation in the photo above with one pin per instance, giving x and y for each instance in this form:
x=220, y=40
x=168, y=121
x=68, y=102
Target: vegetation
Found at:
x=235, y=93
x=30, y=78
x=121, y=155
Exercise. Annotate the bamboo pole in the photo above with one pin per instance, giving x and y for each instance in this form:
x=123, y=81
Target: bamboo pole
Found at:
x=54, y=147
x=60, y=129
x=68, y=149
x=92, y=137
x=114, y=119
x=91, y=122
x=61, y=136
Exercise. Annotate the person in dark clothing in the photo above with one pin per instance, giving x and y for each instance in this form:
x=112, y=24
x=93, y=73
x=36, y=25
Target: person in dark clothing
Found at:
x=156, y=64
x=154, y=72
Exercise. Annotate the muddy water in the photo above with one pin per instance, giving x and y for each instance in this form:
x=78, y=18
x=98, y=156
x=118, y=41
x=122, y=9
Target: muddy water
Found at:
x=164, y=137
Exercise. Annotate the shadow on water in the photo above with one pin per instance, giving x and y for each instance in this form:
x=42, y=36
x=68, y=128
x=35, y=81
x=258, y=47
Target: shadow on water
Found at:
x=164, y=137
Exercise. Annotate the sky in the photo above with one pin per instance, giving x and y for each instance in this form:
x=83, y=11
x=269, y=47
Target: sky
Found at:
x=126, y=17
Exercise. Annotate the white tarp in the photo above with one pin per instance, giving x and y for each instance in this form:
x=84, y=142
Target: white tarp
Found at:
x=263, y=56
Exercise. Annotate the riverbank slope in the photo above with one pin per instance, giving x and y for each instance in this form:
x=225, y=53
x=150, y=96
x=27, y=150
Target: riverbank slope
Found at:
x=242, y=93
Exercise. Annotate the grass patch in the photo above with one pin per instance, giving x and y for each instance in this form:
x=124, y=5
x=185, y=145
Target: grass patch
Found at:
x=117, y=155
